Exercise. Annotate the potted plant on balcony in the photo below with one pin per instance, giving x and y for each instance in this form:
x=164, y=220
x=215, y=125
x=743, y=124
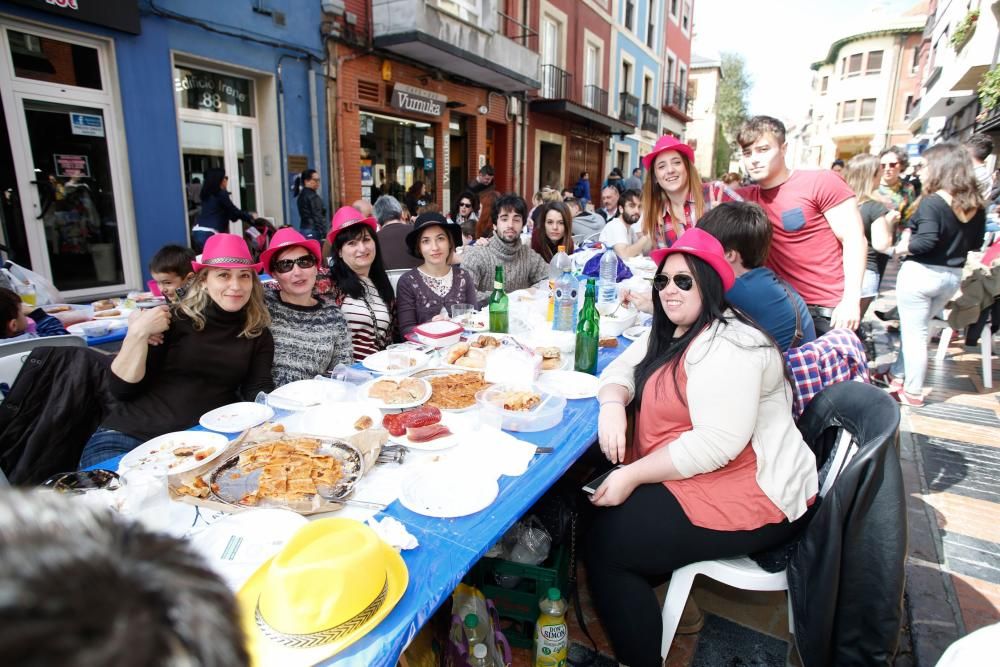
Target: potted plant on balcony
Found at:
x=963, y=31
x=989, y=93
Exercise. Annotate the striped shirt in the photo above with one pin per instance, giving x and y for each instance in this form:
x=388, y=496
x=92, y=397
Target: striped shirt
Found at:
x=369, y=320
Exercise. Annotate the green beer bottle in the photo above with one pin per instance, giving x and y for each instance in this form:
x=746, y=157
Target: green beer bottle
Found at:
x=498, y=305
x=588, y=331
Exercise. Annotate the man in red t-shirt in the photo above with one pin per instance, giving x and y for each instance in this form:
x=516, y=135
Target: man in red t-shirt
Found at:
x=819, y=242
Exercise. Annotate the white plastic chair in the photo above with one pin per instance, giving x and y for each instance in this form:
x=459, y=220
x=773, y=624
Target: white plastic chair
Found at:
x=394, y=275
x=14, y=354
x=741, y=572
x=985, y=348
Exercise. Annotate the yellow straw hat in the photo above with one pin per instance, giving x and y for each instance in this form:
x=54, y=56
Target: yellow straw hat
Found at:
x=329, y=586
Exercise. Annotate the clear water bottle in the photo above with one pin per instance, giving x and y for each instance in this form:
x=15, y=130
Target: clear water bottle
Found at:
x=474, y=630
x=479, y=657
x=559, y=263
x=564, y=317
x=607, y=284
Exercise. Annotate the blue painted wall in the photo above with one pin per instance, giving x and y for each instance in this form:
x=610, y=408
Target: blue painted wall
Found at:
x=632, y=44
x=145, y=82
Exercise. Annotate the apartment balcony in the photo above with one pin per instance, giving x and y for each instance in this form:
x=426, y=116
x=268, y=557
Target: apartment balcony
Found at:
x=676, y=102
x=559, y=95
x=628, y=109
x=650, y=119
x=469, y=38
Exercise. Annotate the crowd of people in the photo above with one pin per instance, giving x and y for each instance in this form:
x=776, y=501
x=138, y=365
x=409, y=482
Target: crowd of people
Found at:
x=746, y=270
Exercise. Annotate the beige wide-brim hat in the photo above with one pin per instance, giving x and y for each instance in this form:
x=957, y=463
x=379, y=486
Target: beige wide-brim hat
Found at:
x=331, y=584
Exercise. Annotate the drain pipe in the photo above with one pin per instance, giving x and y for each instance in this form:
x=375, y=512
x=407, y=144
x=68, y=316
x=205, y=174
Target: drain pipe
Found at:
x=282, y=144
x=314, y=122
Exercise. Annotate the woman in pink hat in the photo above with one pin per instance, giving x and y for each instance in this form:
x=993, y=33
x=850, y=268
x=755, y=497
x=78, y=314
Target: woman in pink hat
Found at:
x=310, y=333
x=210, y=349
x=361, y=286
x=673, y=196
x=716, y=468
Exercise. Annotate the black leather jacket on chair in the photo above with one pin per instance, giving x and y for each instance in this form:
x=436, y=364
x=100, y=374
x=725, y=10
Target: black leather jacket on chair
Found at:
x=846, y=575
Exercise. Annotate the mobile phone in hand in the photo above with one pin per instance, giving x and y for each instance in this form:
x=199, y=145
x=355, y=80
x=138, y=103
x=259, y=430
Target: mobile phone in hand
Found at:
x=590, y=488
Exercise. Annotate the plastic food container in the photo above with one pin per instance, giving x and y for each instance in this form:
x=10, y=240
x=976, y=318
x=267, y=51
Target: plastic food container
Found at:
x=543, y=416
x=441, y=333
x=95, y=329
x=619, y=322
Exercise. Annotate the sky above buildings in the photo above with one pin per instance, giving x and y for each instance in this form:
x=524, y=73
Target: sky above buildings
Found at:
x=780, y=39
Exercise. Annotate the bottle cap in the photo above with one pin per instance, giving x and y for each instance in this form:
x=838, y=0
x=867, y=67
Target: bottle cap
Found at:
x=554, y=594
x=472, y=621
x=479, y=651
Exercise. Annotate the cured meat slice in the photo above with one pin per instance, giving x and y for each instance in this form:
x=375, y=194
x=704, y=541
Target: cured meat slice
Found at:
x=427, y=433
x=397, y=424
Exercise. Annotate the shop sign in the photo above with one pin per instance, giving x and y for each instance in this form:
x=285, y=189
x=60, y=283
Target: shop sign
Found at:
x=87, y=125
x=118, y=14
x=417, y=100
x=209, y=91
x=71, y=166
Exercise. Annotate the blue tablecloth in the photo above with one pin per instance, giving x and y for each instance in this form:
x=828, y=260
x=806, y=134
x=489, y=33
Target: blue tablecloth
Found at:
x=450, y=547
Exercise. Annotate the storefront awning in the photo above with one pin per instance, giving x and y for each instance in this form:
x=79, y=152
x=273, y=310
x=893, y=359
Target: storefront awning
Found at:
x=577, y=113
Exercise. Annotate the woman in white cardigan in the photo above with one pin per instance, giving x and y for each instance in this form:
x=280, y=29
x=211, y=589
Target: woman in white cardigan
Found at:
x=717, y=467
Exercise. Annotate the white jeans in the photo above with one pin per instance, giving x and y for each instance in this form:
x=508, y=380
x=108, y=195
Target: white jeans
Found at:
x=922, y=291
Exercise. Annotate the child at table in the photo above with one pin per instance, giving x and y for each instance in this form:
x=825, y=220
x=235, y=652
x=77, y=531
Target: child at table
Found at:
x=14, y=319
x=171, y=270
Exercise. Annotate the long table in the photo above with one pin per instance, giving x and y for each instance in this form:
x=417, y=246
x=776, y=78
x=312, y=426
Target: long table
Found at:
x=450, y=547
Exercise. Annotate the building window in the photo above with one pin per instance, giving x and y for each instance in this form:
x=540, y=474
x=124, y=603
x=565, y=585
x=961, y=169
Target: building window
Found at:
x=674, y=6
x=467, y=10
x=686, y=18
x=867, y=109
x=854, y=65
x=681, y=77
x=908, y=108
x=651, y=25
x=915, y=61
x=630, y=15
x=849, y=111
x=626, y=76
x=874, y=62
x=823, y=85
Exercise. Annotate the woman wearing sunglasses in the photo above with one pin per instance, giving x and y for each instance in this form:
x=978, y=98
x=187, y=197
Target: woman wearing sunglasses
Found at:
x=896, y=193
x=716, y=467
x=310, y=333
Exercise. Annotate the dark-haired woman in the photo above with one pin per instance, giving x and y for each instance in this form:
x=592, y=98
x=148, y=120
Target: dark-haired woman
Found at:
x=217, y=209
x=466, y=209
x=554, y=229
x=717, y=467
x=360, y=284
x=312, y=211
x=948, y=223
x=415, y=197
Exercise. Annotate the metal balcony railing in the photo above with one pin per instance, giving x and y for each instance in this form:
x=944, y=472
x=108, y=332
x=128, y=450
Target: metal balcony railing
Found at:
x=628, y=108
x=676, y=97
x=595, y=98
x=555, y=82
x=650, y=118
x=512, y=29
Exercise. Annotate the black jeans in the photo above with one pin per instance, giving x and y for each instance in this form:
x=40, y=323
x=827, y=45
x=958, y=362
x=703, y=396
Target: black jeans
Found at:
x=991, y=314
x=635, y=545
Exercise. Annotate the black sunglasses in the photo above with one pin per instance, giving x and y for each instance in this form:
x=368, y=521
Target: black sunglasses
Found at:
x=890, y=165
x=286, y=265
x=83, y=480
x=465, y=203
x=683, y=281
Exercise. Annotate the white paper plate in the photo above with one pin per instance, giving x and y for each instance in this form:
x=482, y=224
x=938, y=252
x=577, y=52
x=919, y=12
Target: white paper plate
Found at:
x=447, y=491
x=335, y=420
x=157, y=455
x=304, y=394
x=236, y=417
x=440, y=444
x=636, y=332
x=236, y=546
x=63, y=306
x=123, y=314
x=113, y=325
x=365, y=388
x=568, y=384
x=379, y=362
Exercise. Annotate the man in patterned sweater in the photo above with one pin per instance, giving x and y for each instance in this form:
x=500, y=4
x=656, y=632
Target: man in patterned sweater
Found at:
x=522, y=266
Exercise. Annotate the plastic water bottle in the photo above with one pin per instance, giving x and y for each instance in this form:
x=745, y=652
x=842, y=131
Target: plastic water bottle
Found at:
x=565, y=303
x=474, y=630
x=607, y=288
x=551, y=633
x=559, y=263
x=479, y=656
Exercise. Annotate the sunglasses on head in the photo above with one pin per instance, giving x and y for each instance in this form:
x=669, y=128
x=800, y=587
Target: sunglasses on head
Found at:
x=683, y=281
x=890, y=165
x=286, y=265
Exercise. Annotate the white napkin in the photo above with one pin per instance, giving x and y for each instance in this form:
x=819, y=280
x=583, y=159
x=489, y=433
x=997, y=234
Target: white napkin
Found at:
x=488, y=448
x=393, y=533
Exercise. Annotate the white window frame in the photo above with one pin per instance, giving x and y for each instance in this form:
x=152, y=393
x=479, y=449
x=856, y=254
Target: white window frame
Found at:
x=686, y=13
